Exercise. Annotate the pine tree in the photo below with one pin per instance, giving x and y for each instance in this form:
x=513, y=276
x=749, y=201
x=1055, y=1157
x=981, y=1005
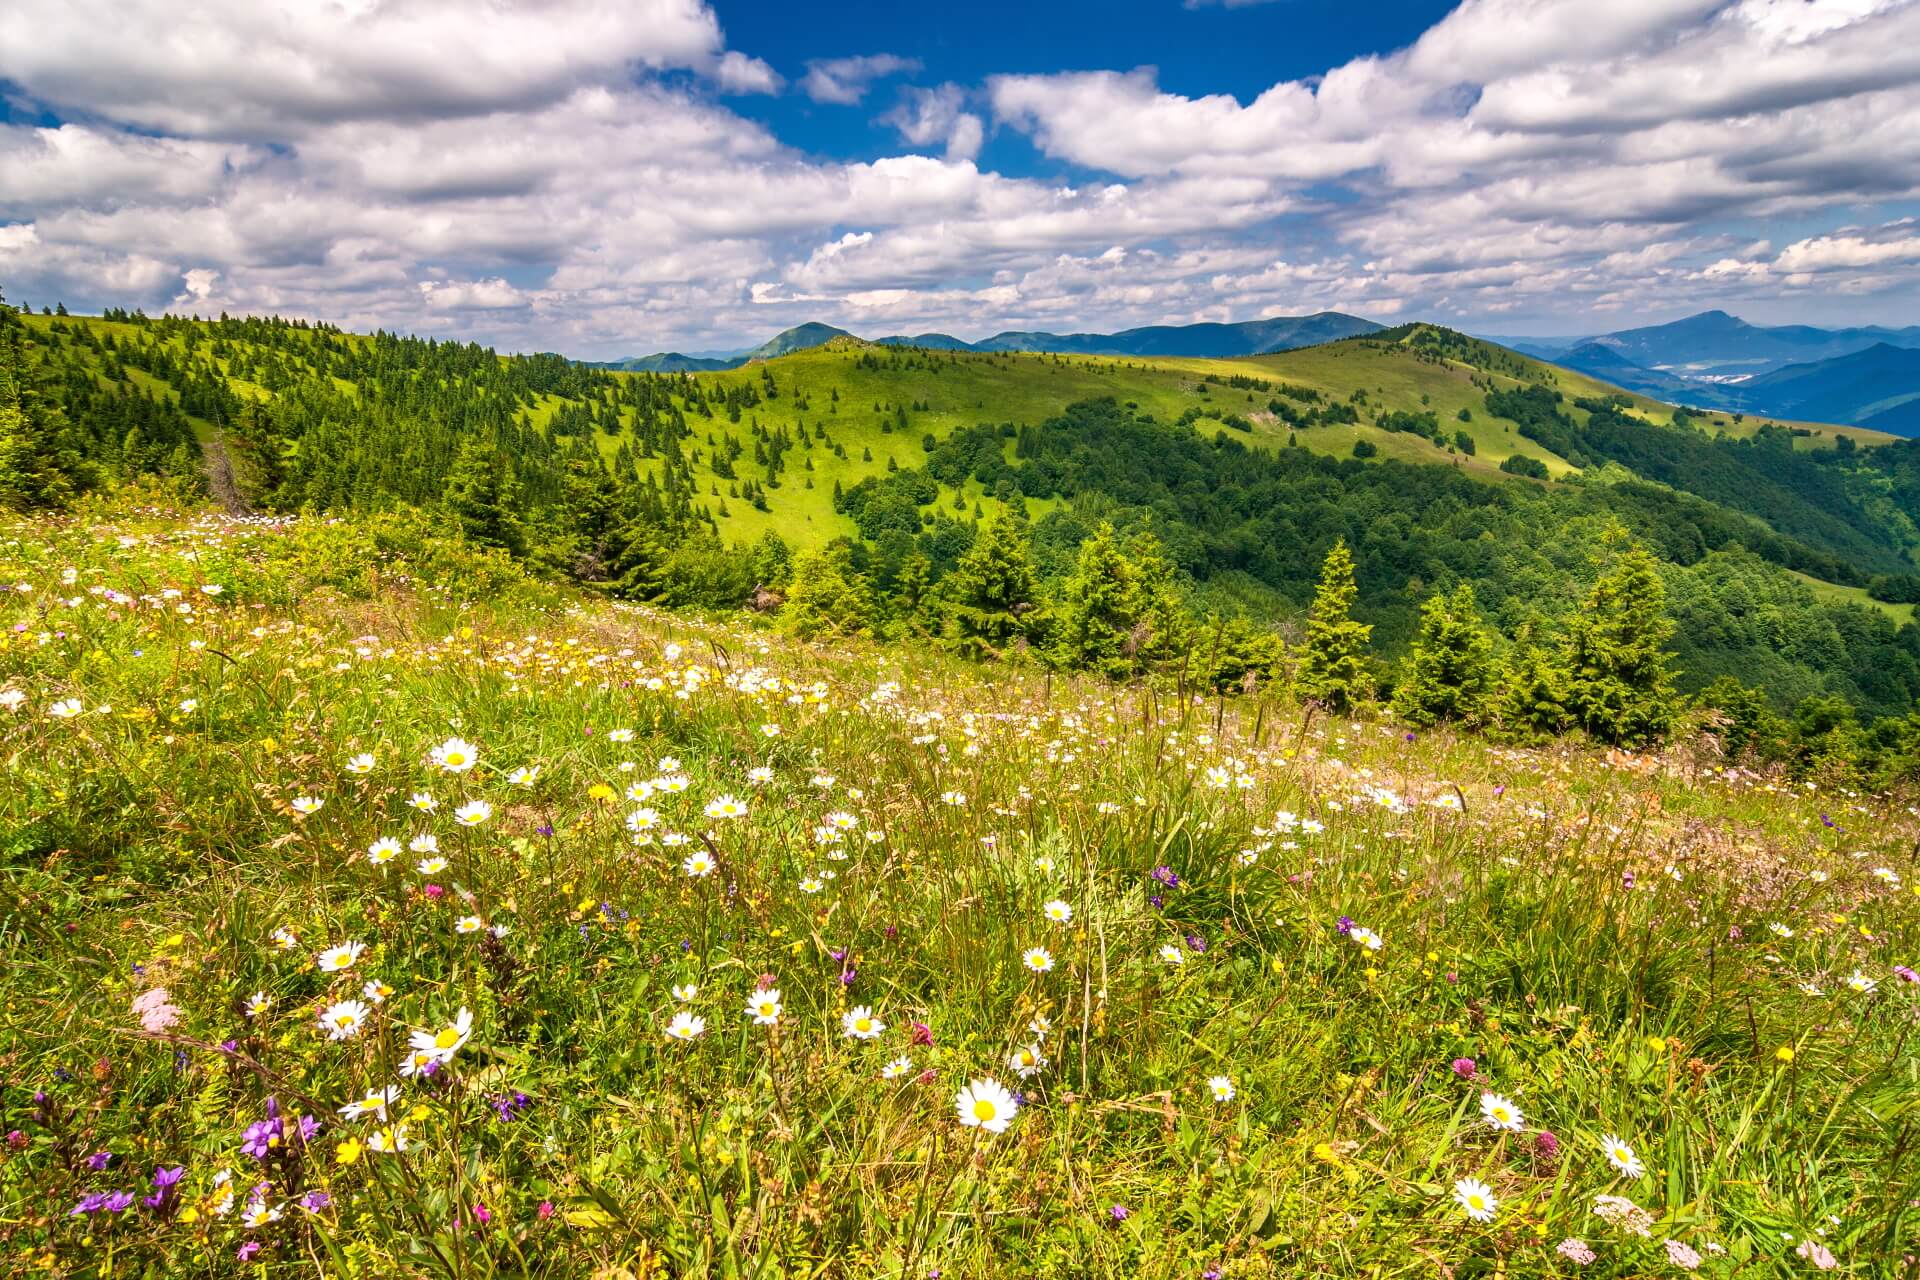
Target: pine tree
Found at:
x=1333, y=664
x=1097, y=609
x=1165, y=627
x=989, y=595
x=481, y=496
x=39, y=463
x=637, y=561
x=1449, y=672
x=912, y=593
x=1532, y=700
x=828, y=595
x=1619, y=688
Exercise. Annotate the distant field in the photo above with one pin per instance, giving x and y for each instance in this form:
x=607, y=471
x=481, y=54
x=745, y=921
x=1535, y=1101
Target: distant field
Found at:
x=1834, y=593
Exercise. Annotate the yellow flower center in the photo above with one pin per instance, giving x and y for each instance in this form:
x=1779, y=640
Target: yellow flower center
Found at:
x=863, y=1024
x=446, y=1039
x=983, y=1109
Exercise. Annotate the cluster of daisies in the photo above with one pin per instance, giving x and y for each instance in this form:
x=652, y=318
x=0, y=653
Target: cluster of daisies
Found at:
x=1478, y=1203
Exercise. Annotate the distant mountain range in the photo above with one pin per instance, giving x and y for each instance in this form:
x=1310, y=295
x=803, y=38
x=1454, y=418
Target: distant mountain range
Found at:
x=1878, y=388
x=1250, y=338
x=1714, y=345
x=1867, y=377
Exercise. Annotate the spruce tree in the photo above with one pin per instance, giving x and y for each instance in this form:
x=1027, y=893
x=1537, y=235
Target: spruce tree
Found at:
x=989, y=595
x=1448, y=674
x=1164, y=627
x=1097, y=609
x=1333, y=663
x=1532, y=699
x=912, y=592
x=637, y=562
x=481, y=496
x=39, y=463
x=1619, y=688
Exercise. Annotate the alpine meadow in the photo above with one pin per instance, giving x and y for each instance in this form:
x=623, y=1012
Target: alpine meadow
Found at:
x=1362, y=723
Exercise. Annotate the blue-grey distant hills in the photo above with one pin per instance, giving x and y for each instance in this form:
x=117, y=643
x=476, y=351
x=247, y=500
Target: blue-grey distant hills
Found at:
x=1878, y=388
x=1715, y=344
x=1249, y=338
x=1867, y=376
x=798, y=338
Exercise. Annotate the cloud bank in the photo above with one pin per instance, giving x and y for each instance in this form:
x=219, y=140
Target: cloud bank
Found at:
x=571, y=174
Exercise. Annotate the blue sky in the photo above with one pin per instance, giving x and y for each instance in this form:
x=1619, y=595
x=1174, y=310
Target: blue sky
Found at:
x=610, y=177
x=1212, y=48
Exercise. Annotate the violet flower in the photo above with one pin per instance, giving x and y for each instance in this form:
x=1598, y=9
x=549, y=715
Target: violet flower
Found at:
x=165, y=1181
x=261, y=1137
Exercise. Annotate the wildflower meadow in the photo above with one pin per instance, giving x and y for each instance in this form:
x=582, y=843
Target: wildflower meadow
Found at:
x=363, y=922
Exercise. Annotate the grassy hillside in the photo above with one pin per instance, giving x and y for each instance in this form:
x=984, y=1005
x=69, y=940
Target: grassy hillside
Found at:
x=958, y=389
x=695, y=489
x=1834, y=593
x=855, y=391
x=357, y=928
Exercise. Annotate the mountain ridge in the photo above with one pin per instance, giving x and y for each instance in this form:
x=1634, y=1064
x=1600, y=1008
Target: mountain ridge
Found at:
x=1718, y=342
x=1715, y=360
x=1205, y=339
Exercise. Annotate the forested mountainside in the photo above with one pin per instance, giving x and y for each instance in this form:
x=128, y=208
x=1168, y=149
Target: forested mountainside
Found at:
x=1786, y=550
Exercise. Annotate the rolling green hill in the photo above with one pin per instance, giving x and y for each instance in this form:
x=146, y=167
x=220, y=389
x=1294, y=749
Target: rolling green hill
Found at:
x=1252, y=337
x=857, y=392
x=1439, y=458
x=876, y=404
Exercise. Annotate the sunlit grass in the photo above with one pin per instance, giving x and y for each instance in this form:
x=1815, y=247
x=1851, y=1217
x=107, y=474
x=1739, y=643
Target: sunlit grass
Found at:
x=1648, y=949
